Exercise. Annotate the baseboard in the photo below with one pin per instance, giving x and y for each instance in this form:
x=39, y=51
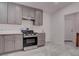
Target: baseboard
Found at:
x=68, y=41
x=11, y=52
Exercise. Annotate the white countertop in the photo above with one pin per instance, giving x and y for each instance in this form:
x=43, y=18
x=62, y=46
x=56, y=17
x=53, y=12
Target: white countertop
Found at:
x=10, y=32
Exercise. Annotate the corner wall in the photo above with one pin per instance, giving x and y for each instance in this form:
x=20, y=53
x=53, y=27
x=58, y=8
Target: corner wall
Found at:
x=57, y=23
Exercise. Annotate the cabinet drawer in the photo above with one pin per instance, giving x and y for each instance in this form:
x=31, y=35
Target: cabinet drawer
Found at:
x=9, y=37
x=42, y=43
x=41, y=36
x=18, y=37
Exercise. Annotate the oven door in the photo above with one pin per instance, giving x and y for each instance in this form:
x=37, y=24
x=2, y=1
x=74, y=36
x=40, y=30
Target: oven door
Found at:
x=29, y=41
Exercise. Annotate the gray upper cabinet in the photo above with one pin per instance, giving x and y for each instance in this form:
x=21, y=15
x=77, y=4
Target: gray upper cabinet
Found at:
x=3, y=13
x=38, y=18
x=14, y=13
x=11, y=13
x=35, y=14
x=32, y=13
x=28, y=13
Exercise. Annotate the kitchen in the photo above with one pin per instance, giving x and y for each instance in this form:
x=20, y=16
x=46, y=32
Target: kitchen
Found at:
x=13, y=20
x=36, y=28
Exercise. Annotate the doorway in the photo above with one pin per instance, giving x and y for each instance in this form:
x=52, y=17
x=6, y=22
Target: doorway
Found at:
x=70, y=30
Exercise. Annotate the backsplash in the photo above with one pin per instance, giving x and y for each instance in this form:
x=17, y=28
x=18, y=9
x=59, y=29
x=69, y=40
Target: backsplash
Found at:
x=25, y=24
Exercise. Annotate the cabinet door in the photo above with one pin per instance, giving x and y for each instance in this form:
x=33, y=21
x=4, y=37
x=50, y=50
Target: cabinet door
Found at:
x=9, y=43
x=18, y=42
x=32, y=13
x=3, y=13
x=25, y=12
x=38, y=18
x=1, y=44
x=28, y=13
x=14, y=13
x=41, y=39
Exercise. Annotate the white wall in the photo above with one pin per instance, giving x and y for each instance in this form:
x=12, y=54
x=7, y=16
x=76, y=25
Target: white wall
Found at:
x=57, y=23
x=29, y=24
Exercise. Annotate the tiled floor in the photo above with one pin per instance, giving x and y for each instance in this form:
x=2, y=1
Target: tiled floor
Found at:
x=49, y=49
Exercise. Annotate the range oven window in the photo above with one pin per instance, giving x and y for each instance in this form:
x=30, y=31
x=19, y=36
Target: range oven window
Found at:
x=29, y=41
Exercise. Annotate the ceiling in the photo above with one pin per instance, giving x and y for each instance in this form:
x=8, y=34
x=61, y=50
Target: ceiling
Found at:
x=50, y=7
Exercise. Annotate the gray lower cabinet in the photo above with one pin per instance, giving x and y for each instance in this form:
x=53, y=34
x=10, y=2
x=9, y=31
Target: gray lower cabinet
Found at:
x=41, y=39
x=1, y=44
x=3, y=13
x=14, y=13
x=18, y=42
x=38, y=18
x=10, y=42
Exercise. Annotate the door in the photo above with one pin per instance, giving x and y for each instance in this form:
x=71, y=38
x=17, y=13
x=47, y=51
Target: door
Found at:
x=69, y=27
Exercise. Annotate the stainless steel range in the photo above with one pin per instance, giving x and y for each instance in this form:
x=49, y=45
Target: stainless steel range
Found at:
x=29, y=39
